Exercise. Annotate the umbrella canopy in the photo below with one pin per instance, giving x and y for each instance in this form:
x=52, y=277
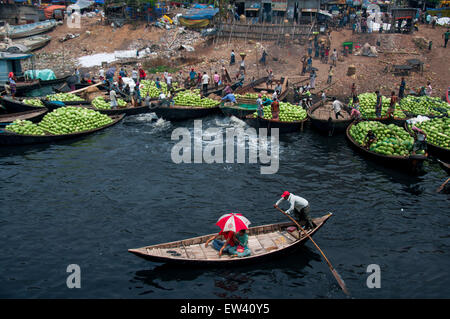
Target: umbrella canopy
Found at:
x=233, y=222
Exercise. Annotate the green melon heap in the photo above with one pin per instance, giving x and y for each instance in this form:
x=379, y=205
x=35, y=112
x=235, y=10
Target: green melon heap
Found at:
x=391, y=139
x=367, y=102
x=25, y=128
x=64, y=97
x=33, y=102
x=288, y=113
x=150, y=87
x=425, y=105
x=438, y=131
x=192, y=98
x=100, y=103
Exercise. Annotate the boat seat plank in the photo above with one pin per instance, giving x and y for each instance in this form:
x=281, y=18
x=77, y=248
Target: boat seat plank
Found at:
x=255, y=246
x=154, y=252
x=175, y=252
x=288, y=235
x=266, y=242
x=279, y=239
x=209, y=251
x=198, y=252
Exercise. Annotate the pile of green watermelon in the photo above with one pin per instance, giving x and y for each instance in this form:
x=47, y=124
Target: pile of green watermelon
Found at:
x=33, y=102
x=193, y=98
x=438, y=131
x=149, y=86
x=288, y=113
x=392, y=140
x=64, y=120
x=64, y=97
x=25, y=128
x=101, y=104
x=425, y=105
x=367, y=102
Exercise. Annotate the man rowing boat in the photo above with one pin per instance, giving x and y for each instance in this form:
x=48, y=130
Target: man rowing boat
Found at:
x=299, y=206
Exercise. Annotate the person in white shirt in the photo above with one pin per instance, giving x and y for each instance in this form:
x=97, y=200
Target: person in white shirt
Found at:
x=274, y=95
x=113, y=99
x=429, y=89
x=101, y=74
x=323, y=98
x=205, y=81
x=169, y=81
x=134, y=75
x=337, y=106
x=300, y=208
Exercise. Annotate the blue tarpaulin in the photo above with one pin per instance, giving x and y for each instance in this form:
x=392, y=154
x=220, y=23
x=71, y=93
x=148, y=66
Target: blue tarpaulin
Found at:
x=201, y=6
x=199, y=14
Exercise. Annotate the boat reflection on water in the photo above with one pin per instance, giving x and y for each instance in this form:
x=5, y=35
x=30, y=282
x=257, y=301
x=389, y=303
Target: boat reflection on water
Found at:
x=231, y=282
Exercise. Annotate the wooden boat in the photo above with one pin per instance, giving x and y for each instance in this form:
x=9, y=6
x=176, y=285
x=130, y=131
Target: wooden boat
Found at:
x=181, y=113
x=54, y=82
x=26, y=30
x=28, y=44
x=52, y=105
x=284, y=127
x=411, y=163
x=265, y=242
x=258, y=86
x=16, y=105
x=23, y=86
x=238, y=110
x=129, y=110
x=10, y=138
x=320, y=116
x=445, y=166
x=34, y=116
x=435, y=150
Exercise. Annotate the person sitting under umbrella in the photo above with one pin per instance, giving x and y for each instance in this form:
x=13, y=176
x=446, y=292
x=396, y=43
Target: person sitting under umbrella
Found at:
x=229, y=225
x=241, y=249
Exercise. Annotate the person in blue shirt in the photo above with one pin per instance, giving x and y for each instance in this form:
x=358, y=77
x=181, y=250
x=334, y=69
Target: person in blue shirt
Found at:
x=229, y=97
x=122, y=73
x=158, y=84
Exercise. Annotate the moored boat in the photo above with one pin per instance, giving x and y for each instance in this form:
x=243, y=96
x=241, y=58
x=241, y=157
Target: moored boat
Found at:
x=11, y=138
x=34, y=116
x=129, y=110
x=28, y=44
x=16, y=105
x=266, y=241
x=238, y=110
x=258, y=86
x=411, y=163
x=26, y=30
x=284, y=127
x=322, y=117
x=181, y=113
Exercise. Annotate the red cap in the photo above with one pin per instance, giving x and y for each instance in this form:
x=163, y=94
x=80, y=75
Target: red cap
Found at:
x=285, y=194
x=11, y=74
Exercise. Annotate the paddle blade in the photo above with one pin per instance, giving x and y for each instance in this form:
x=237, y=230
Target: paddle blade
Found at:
x=340, y=282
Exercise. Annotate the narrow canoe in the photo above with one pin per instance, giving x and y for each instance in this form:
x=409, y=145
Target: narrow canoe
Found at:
x=26, y=30
x=10, y=138
x=265, y=242
x=28, y=44
x=284, y=127
x=23, y=86
x=435, y=150
x=16, y=105
x=34, y=116
x=411, y=163
x=320, y=116
x=444, y=166
x=181, y=113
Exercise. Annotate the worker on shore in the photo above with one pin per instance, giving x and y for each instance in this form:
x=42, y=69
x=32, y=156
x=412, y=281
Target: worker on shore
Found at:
x=330, y=75
x=205, y=82
x=263, y=58
x=446, y=36
x=393, y=102
x=269, y=78
x=353, y=92
x=232, y=58
x=300, y=208
x=304, y=64
x=192, y=76
x=428, y=89
x=334, y=57
x=401, y=90
x=356, y=110
x=312, y=79
x=122, y=73
x=378, y=104
x=337, y=107
x=216, y=79
x=309, y=61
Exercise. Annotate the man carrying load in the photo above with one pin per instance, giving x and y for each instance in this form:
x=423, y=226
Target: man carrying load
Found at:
x=299, y=206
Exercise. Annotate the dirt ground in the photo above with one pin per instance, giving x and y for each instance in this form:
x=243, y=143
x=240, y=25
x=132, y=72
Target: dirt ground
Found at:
x=284, y=61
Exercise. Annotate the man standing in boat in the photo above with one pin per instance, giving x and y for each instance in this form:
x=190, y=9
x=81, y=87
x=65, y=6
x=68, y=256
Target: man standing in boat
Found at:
x=299, y=206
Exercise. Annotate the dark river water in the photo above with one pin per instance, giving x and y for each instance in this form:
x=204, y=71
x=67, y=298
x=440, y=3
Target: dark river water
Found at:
x=86, y=202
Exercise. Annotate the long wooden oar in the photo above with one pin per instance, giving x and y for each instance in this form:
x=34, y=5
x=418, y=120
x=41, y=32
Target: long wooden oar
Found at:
x=442, y=186
x=333, y=271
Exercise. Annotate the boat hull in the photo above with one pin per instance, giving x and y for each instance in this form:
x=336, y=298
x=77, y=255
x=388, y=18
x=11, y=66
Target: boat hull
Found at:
x=33, y=116
x=9, y=139
x=179, y=113
x=236, y=111
x=283, y=127
x=16, y=106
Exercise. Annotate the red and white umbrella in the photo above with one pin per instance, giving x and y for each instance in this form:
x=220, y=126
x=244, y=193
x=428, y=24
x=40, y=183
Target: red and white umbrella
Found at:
x=233, y=222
